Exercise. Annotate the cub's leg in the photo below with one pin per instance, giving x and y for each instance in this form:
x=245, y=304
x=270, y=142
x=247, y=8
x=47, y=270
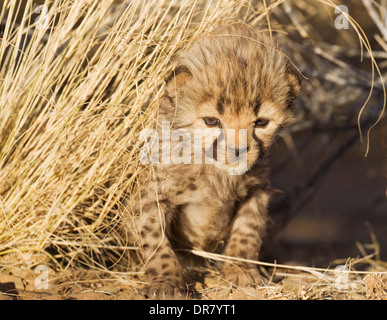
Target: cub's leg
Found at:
x=162, y=269
x=245, y=240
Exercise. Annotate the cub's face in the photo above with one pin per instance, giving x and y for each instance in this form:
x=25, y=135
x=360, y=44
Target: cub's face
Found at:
x=245, y=135
x=240, y=85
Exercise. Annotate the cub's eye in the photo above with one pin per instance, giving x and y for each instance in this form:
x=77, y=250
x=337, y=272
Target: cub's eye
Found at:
x=211, y=122
x=261, y=123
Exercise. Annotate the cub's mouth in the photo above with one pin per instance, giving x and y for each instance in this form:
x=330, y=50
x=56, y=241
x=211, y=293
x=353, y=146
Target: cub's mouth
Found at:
x=229, y=160
x=237, y=168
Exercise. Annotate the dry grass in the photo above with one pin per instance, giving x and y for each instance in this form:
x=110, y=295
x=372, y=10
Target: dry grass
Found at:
x=79, y=82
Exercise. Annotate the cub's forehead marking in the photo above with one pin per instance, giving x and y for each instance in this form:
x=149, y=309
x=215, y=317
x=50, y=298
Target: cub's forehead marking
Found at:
x=207, y=109
x=256, y=104
x=220, y=104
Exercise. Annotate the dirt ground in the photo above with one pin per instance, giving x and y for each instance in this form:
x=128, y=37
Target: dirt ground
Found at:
x=21, y=286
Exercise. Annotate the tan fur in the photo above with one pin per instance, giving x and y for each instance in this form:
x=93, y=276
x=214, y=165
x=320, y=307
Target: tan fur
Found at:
x=237, y=76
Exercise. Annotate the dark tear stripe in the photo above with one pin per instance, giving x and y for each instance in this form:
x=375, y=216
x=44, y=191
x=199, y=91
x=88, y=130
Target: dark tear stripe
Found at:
x=215, y=150
x=260, y=146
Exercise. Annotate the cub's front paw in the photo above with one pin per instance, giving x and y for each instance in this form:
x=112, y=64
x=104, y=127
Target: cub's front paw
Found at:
x=242, y=276
x=165, y=288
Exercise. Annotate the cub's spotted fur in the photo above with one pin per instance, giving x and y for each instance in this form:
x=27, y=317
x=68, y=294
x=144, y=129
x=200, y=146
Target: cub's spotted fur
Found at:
x=233, y=79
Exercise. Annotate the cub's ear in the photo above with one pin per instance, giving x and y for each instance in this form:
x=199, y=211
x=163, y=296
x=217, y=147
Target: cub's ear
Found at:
x=180, y=75
x=294, y=80
x=294, y=84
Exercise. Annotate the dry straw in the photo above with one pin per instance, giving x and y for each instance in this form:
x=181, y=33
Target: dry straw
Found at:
x=79, y=80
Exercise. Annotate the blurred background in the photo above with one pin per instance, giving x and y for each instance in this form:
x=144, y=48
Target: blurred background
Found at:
x=334, y=181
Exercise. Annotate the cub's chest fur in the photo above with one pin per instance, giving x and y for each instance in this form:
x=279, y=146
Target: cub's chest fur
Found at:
x=187, y=185
x=203, y=206
x=201, y=225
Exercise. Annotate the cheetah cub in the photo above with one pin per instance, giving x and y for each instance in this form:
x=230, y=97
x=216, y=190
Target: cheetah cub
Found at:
x=235, y=80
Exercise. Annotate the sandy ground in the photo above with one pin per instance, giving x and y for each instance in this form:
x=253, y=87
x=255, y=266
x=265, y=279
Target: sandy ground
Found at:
x=89, y=285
